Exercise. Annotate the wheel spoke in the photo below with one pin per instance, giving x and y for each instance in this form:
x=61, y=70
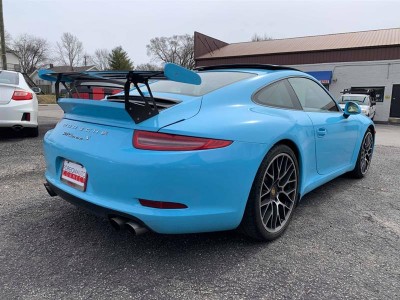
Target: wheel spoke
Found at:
x=266, y=217
x=279, y=166
x=265, y=202
x=271, y=175
x=289, y=175
x=275, y=216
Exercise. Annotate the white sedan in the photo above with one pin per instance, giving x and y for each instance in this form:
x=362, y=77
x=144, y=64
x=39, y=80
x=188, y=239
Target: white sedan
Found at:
x=18, y=103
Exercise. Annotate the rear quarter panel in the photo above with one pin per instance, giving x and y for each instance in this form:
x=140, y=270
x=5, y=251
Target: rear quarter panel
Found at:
x=230, y=114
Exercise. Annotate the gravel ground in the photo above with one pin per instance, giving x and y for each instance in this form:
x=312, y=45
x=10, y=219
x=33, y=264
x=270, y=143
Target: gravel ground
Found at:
x=343, y=243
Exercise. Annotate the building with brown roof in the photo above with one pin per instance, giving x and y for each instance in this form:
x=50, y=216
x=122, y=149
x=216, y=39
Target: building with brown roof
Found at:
x=355, y=59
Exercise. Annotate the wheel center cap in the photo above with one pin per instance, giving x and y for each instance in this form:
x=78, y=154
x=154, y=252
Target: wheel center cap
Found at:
x=273, y=192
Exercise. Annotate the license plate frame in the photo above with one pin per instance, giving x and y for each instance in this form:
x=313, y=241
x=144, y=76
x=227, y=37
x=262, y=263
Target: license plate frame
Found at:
x=74, y=174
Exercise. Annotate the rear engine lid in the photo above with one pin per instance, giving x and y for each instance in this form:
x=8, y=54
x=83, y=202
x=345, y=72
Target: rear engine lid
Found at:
x=111, y=112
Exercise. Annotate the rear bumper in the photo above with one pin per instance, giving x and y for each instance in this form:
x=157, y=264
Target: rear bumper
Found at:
x=12, y=112
x=213, y=184
x=88, y=206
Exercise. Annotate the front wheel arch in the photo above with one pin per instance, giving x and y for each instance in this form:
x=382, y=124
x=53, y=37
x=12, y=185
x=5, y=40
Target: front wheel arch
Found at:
x=357, y=171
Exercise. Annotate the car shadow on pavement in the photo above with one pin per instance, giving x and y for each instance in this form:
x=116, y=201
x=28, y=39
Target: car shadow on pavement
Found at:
x=62, y=237
x=10, y=134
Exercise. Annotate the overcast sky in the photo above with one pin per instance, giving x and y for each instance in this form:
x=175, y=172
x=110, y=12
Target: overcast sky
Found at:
x=131, y=23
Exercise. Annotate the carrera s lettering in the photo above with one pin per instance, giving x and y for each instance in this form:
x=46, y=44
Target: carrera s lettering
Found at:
x=79, y=138
x=86, y=130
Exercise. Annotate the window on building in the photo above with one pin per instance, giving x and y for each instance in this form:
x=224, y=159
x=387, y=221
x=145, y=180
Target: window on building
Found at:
x=379, y=91
x=312, y=96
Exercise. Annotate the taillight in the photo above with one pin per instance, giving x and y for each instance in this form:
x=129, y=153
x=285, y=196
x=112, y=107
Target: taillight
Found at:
x=170, y=142
x=162, y=204
x=21, y=95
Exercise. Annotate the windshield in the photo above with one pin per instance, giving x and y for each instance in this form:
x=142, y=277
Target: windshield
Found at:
x=8, y=77
x=210, y=81
x=360, y=99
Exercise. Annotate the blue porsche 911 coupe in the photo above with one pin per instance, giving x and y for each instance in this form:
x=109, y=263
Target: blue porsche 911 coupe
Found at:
x=218, y=148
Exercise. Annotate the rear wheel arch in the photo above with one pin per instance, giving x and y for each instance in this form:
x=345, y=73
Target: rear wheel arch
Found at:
x=293, y=146
x=251, y=220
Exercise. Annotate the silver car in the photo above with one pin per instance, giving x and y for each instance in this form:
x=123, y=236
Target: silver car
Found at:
x=18, y=103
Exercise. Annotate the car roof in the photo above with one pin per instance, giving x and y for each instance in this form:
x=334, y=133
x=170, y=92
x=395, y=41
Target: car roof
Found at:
x=245, y=66
x=258, y=69
x=362, y=95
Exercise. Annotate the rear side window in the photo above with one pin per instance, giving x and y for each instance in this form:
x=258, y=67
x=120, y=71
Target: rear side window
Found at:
x=278, y=94
x=312, y=96
x=9, y=77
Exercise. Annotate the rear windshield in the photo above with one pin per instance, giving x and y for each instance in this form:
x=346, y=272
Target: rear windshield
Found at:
x=210, y=81
x=8, y=77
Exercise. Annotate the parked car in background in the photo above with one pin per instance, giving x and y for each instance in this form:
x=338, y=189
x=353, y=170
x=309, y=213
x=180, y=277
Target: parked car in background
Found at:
x=220, y=148
x=364, y=98
x=18, y=103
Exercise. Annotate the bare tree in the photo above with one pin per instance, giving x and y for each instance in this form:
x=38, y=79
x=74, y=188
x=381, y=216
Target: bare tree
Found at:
x=32, y=51
x=100, y=59
x=177, y=49
x=259, y=38
x=70, y=50
x=148, y=67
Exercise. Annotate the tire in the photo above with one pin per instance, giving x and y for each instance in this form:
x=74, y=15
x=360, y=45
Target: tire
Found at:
x=32, y=131
x=272, y=196
x=364, y=156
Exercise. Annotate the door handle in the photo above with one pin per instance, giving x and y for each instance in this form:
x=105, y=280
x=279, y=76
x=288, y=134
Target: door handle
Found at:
x=321, y=132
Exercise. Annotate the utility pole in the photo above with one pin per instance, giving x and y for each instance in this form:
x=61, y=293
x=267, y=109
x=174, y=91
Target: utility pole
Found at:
x=3, y=38
x=85, y=57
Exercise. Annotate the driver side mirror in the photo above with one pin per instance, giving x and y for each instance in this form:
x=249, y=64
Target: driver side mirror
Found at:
x=351, y=108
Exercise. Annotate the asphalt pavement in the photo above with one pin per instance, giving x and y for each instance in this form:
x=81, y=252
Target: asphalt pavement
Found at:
x=343, y=241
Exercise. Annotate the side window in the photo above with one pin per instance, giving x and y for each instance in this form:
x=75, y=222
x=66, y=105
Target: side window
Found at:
x=311, y=96
x=277, y=94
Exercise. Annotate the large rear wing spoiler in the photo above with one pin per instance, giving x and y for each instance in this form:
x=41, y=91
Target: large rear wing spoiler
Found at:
x=138, y=111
